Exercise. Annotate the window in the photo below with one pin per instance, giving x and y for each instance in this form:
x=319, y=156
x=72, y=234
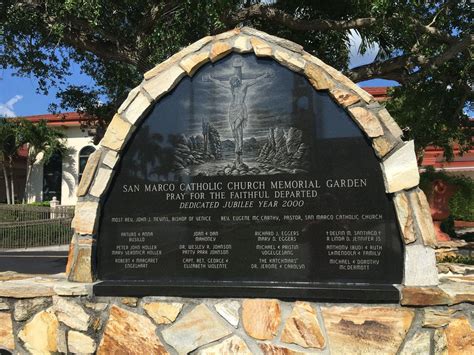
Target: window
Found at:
x=52, y=177
x=83, y=156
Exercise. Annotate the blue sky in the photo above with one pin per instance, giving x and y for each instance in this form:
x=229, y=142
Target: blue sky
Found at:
x=18, y=96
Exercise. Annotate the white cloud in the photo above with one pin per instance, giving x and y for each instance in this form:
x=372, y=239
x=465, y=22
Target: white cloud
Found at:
x=355, y=58
x=6, y=109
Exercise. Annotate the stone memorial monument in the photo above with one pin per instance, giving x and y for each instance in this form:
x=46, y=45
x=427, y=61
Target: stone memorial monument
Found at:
x=243, y=166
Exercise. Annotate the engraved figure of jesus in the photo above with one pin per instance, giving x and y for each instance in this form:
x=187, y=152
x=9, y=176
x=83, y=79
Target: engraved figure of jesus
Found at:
x=237, y=113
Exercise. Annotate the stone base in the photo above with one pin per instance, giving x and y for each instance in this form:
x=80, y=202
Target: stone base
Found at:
x=312, y=292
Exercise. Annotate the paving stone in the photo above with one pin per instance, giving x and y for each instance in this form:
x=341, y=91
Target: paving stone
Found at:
x=117, y=133
x=163, y=312
x=79, y=343
x=261, y=318
x=367, y=121
x=302, y=327
x=366, y=330
x=420, y=266
x=197, y=328
x=400, y=169
x=419, y=344
x=344, y=98
x=40, y=333
x=231, y=346
x=24, y=309
x=70, y=313
x=6, y=331
x=229, y=310
x=89, y=173
x=129, y=333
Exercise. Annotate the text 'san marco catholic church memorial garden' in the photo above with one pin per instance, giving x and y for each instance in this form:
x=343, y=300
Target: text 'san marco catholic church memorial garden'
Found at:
x=245, y=167
x=242, y=192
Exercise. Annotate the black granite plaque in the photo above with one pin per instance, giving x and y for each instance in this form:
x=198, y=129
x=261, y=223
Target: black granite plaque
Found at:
x=246, y=182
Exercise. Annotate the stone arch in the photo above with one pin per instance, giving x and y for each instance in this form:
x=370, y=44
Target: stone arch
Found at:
x=397, y=157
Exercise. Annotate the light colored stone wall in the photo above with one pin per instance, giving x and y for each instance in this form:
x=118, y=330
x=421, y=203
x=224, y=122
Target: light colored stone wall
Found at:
x=43, y=315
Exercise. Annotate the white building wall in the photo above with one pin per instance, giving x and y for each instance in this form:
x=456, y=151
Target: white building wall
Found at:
x=76, y=140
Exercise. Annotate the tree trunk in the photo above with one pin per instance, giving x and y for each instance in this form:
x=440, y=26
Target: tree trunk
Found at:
x=12, y=181
x=29, y=168
x=7, y=184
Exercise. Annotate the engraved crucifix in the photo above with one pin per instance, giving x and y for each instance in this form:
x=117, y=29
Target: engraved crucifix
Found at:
x=237, y=114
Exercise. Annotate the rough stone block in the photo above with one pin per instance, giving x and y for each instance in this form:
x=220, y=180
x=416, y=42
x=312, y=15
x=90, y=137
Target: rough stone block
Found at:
x=359, y=330
x=227, y=34
x=164, y=82
x=317, y=77
x=389, y=123
x=197, y=328
x=40, y=333
x=89, y=172
x=420, y=266
x=261, y=318
x=289, y=60
x=423, y=221
x=242, y=44
x=261, y=48
x=400, y=169
x=24, y=309
x=110, y=159
x=129, y=333
x=101, y=182
x=79, y=343
x=163, y=312
x=367, y=121
x=85, y=217
x=136, y=109
x=231, y=346
x=404, y=216
x=292, y=46
x=177, y=57
x=131, y=96
x=117, y=133
x=460, y=336
x=193, y=62
x=341, y=78
x=7, y=340
x=229, y=310
x=219, y=50
x=81, y=266
x=344, y=98
x=419, y=343
x=302, y=327
x=70, y=313
x=384, y=144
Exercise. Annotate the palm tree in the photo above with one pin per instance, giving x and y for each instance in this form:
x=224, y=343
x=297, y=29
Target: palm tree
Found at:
x=39, y=138
x=8, y=150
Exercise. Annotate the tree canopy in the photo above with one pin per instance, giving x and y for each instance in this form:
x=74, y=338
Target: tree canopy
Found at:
x=423, y=45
